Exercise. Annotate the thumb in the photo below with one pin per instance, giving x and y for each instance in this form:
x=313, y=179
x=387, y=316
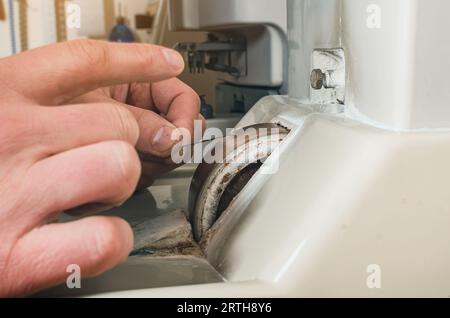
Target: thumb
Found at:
x=43, y=256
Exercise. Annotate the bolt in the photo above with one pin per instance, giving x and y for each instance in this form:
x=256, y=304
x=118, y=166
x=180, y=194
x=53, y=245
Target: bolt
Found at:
x=318, y=79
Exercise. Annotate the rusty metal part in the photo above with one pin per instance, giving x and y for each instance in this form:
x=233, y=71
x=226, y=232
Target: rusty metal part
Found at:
x=236, y=185
x=215, y=185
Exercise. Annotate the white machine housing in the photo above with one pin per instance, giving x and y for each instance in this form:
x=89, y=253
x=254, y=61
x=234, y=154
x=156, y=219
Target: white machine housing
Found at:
x=396, y=57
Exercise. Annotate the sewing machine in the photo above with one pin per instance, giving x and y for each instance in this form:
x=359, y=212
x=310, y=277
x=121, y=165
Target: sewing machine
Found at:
x=359, y=203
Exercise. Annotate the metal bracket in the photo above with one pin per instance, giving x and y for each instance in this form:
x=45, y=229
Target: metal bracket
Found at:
x=214, y=55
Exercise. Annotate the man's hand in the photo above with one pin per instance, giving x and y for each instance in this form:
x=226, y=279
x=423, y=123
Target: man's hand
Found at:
x=173, y=99
x=68, y=132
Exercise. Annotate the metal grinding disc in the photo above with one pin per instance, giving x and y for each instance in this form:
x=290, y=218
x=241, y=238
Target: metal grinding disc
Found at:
x=215, y=185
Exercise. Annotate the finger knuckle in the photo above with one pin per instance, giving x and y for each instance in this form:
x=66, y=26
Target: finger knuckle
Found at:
x=108, y=244
x=147, y=55
x=18, y=128
x=128, y=167
x=91, y=52
x=192, y=97
x=196, y=102
x=126, y=123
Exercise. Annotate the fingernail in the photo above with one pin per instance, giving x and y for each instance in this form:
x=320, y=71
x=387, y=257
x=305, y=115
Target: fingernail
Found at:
x=162, y=141
x=173, y=58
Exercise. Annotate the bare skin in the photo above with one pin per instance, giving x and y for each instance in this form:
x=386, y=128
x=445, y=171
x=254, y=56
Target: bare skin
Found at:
x=83, y=124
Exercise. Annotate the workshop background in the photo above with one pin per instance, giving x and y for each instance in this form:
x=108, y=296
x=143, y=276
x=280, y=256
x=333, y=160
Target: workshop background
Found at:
x=27, y=24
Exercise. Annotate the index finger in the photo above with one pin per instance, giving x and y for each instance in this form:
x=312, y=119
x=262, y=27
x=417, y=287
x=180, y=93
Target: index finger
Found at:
x=61, y=72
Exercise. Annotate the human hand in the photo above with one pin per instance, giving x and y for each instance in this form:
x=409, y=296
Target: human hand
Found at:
x=57, y=156
x=159, y=108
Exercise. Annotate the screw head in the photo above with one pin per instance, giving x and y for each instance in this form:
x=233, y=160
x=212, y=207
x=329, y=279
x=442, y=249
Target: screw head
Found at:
x=317, y=79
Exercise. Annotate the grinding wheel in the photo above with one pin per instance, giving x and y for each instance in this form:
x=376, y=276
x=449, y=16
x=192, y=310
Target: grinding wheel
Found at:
x=215, y=185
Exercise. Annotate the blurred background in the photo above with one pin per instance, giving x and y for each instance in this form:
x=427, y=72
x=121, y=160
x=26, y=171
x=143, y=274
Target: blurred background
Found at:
x=27, y=24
